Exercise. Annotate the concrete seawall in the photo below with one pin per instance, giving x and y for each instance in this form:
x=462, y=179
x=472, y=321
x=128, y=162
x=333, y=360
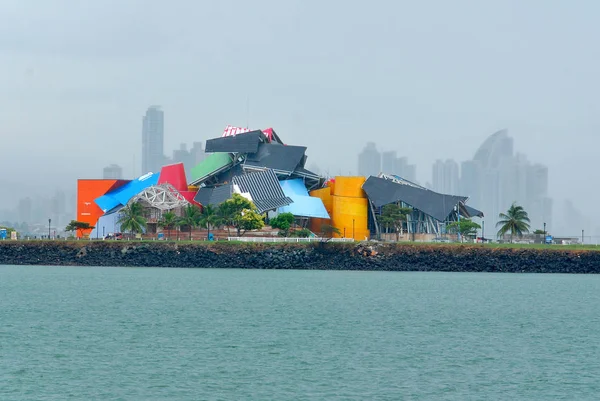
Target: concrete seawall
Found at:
x=329, y=256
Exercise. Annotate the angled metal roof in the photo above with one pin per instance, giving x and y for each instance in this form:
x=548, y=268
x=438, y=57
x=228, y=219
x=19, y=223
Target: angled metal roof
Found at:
x=122, y=195
x=264, y=189
x=174, y=174
x=213, y=164
x=382, y=192
x=473, y=212
x=215, y=195
x=277, y=157
x=243, y=143
x=304, y=205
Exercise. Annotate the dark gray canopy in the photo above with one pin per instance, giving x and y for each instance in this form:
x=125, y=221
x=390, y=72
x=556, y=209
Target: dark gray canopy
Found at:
x=277, y=157
x=215, y=195
x=241, y=143
x=382, y=192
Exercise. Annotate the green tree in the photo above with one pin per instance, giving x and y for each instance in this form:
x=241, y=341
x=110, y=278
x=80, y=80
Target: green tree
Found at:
x=131, y=218
x=240, y=213
x=393, y=216
x=464, y=227
x=190, y=217
x=283, y=222
x=209, y=218
x=302, y=233
x=515, y=220
x=328, y=231
x=79, y=226
x=167, y=222
x=539, y=232
x=249, y=220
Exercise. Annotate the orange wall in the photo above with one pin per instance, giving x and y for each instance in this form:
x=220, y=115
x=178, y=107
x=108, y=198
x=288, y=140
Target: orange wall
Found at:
x=349, y=186
x=350, y=217
x=87, y=191
x=347, y=204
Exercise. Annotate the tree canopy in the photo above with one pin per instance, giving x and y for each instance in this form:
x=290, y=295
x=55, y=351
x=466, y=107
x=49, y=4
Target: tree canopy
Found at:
x=393, y=216
x=240, y=213
x=283, y=222
x=515, y=221
x=328, y=231
x=79, y=226
x=464, y=227
x=190, y=217
x=131, y=218
x=168, y=221
x=209, y=218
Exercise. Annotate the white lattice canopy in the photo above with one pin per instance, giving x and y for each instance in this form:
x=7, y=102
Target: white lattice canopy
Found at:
x=162, y=196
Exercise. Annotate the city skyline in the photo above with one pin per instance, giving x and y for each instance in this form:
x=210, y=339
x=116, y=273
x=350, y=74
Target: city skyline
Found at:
x=493, y=179
x=153, y=139
x=542, y=207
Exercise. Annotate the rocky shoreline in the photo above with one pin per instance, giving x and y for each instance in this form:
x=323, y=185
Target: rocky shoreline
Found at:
x=313, y=256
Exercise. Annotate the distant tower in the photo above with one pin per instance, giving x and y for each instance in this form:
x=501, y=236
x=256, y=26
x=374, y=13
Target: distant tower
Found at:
x=388, y=162
x=369, y=161
x=445, y=177
x=112, y=172
x=153, y=140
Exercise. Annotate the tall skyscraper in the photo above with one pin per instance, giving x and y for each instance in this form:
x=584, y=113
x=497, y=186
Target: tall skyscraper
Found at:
x=112, y=172
x=391, y=164
x=405, y=170
x=445, y=177
x=388, y=162
x=369, y=161
x=24, y=210
x=189, y=158
x=496, y=178
x=153, y=140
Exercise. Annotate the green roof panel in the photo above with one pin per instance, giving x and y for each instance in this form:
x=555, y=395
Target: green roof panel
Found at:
x=209, y=166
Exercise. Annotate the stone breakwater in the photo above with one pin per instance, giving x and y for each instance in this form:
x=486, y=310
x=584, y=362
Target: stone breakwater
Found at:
x=328, y=256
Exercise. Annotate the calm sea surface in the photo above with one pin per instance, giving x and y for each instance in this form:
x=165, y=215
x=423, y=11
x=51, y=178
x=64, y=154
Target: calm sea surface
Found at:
x=177, y=334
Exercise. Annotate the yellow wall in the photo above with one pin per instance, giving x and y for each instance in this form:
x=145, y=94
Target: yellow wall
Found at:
x=348, y=213
x=347, y=205
x=349, y=186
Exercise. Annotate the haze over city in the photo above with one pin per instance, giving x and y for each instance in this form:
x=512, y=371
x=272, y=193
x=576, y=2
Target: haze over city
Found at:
x=429, y=80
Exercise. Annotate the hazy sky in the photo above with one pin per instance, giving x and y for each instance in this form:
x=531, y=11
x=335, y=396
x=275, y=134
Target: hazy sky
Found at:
x=430, y=79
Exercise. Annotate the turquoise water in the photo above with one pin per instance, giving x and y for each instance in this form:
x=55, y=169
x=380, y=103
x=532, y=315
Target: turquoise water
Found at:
x=177, y=334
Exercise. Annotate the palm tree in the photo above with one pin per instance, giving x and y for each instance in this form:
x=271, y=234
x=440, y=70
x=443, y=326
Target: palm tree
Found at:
x=131, y=218
x=190, y=217
x=514, y=220
x=208, y=218
x=168, y=221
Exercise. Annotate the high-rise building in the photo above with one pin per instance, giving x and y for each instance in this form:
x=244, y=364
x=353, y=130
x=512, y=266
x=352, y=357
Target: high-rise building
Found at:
x=388, y=162
x=391, y=164
x=445, y=177
x=496, y=178
x=369, y=161
x=112, y=172
x=470, y=181
x=153, y=140
x=189, y=158
x=405, y=170
x=24, y=210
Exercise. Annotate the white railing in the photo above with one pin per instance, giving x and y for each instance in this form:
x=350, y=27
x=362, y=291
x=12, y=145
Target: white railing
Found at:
x=288, y=239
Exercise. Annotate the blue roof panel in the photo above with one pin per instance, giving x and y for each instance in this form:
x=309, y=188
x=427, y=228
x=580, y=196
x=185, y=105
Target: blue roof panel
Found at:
x=122, y=195
x=304, y=205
